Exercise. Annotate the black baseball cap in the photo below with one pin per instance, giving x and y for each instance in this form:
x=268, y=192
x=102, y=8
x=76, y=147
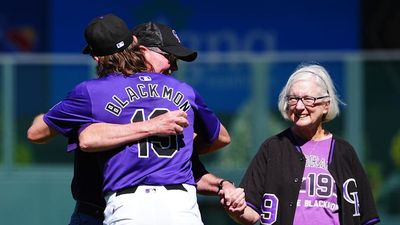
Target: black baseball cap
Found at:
x=152, y=34
x=106, y=35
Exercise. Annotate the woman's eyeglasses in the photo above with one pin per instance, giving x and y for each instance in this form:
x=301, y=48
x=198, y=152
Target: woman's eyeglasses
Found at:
x=307, y=100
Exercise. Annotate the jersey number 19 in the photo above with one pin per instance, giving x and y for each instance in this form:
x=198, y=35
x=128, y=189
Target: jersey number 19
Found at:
x=163, y=147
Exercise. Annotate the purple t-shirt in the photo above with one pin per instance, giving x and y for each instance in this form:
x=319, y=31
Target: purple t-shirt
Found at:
x=121, y=100
x=317, y=201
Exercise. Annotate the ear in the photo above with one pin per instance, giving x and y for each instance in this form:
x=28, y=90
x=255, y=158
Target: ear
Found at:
x=96, y=58
x=326, y=107
x=135, y=40
x=143, y=48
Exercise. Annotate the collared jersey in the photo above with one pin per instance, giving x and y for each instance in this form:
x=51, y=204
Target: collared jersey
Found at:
x=126, y=99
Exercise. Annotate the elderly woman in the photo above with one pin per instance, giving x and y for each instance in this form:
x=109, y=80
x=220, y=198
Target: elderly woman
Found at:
x=306, y=174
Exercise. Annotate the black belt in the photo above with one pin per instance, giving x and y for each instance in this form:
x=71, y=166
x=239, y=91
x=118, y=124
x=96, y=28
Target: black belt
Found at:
x=90, y=209
x=133, y=189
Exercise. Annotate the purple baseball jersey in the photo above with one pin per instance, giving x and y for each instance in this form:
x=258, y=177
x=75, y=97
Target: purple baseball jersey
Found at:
x=127, y=99
x=317, y=201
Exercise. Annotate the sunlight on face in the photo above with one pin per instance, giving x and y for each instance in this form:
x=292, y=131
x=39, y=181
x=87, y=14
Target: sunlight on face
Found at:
x=160, y=63
x=301, y=115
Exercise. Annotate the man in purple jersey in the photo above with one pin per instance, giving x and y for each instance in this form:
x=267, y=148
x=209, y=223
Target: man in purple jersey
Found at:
x=223, y=183
x=87, y=180
x=164, y=41
x=155, y=172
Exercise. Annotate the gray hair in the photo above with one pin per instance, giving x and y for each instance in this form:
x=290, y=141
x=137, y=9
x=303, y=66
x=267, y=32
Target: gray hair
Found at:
x=323, y=80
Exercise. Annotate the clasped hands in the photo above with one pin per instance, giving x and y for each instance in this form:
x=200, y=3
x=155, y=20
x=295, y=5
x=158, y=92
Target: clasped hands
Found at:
x=232, y=198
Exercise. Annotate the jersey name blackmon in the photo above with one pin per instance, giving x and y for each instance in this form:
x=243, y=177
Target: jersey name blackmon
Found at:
x=148, y=90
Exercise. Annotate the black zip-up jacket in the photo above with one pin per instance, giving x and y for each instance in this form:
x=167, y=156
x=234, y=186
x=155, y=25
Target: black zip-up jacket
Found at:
x=273, y=179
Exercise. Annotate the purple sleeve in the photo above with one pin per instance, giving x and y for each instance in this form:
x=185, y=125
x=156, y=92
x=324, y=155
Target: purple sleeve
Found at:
x=206, y=122
x=71, y=113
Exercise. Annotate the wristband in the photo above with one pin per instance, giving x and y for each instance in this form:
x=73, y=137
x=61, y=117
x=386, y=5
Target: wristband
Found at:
x=221, y=183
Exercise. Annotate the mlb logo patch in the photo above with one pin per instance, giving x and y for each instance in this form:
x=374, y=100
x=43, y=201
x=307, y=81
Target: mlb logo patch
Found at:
x=145, y=78
x=120, y=44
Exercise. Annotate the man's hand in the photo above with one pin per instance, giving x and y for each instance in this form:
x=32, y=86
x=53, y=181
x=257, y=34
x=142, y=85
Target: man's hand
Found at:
x=170, y=123
x=232, y=198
